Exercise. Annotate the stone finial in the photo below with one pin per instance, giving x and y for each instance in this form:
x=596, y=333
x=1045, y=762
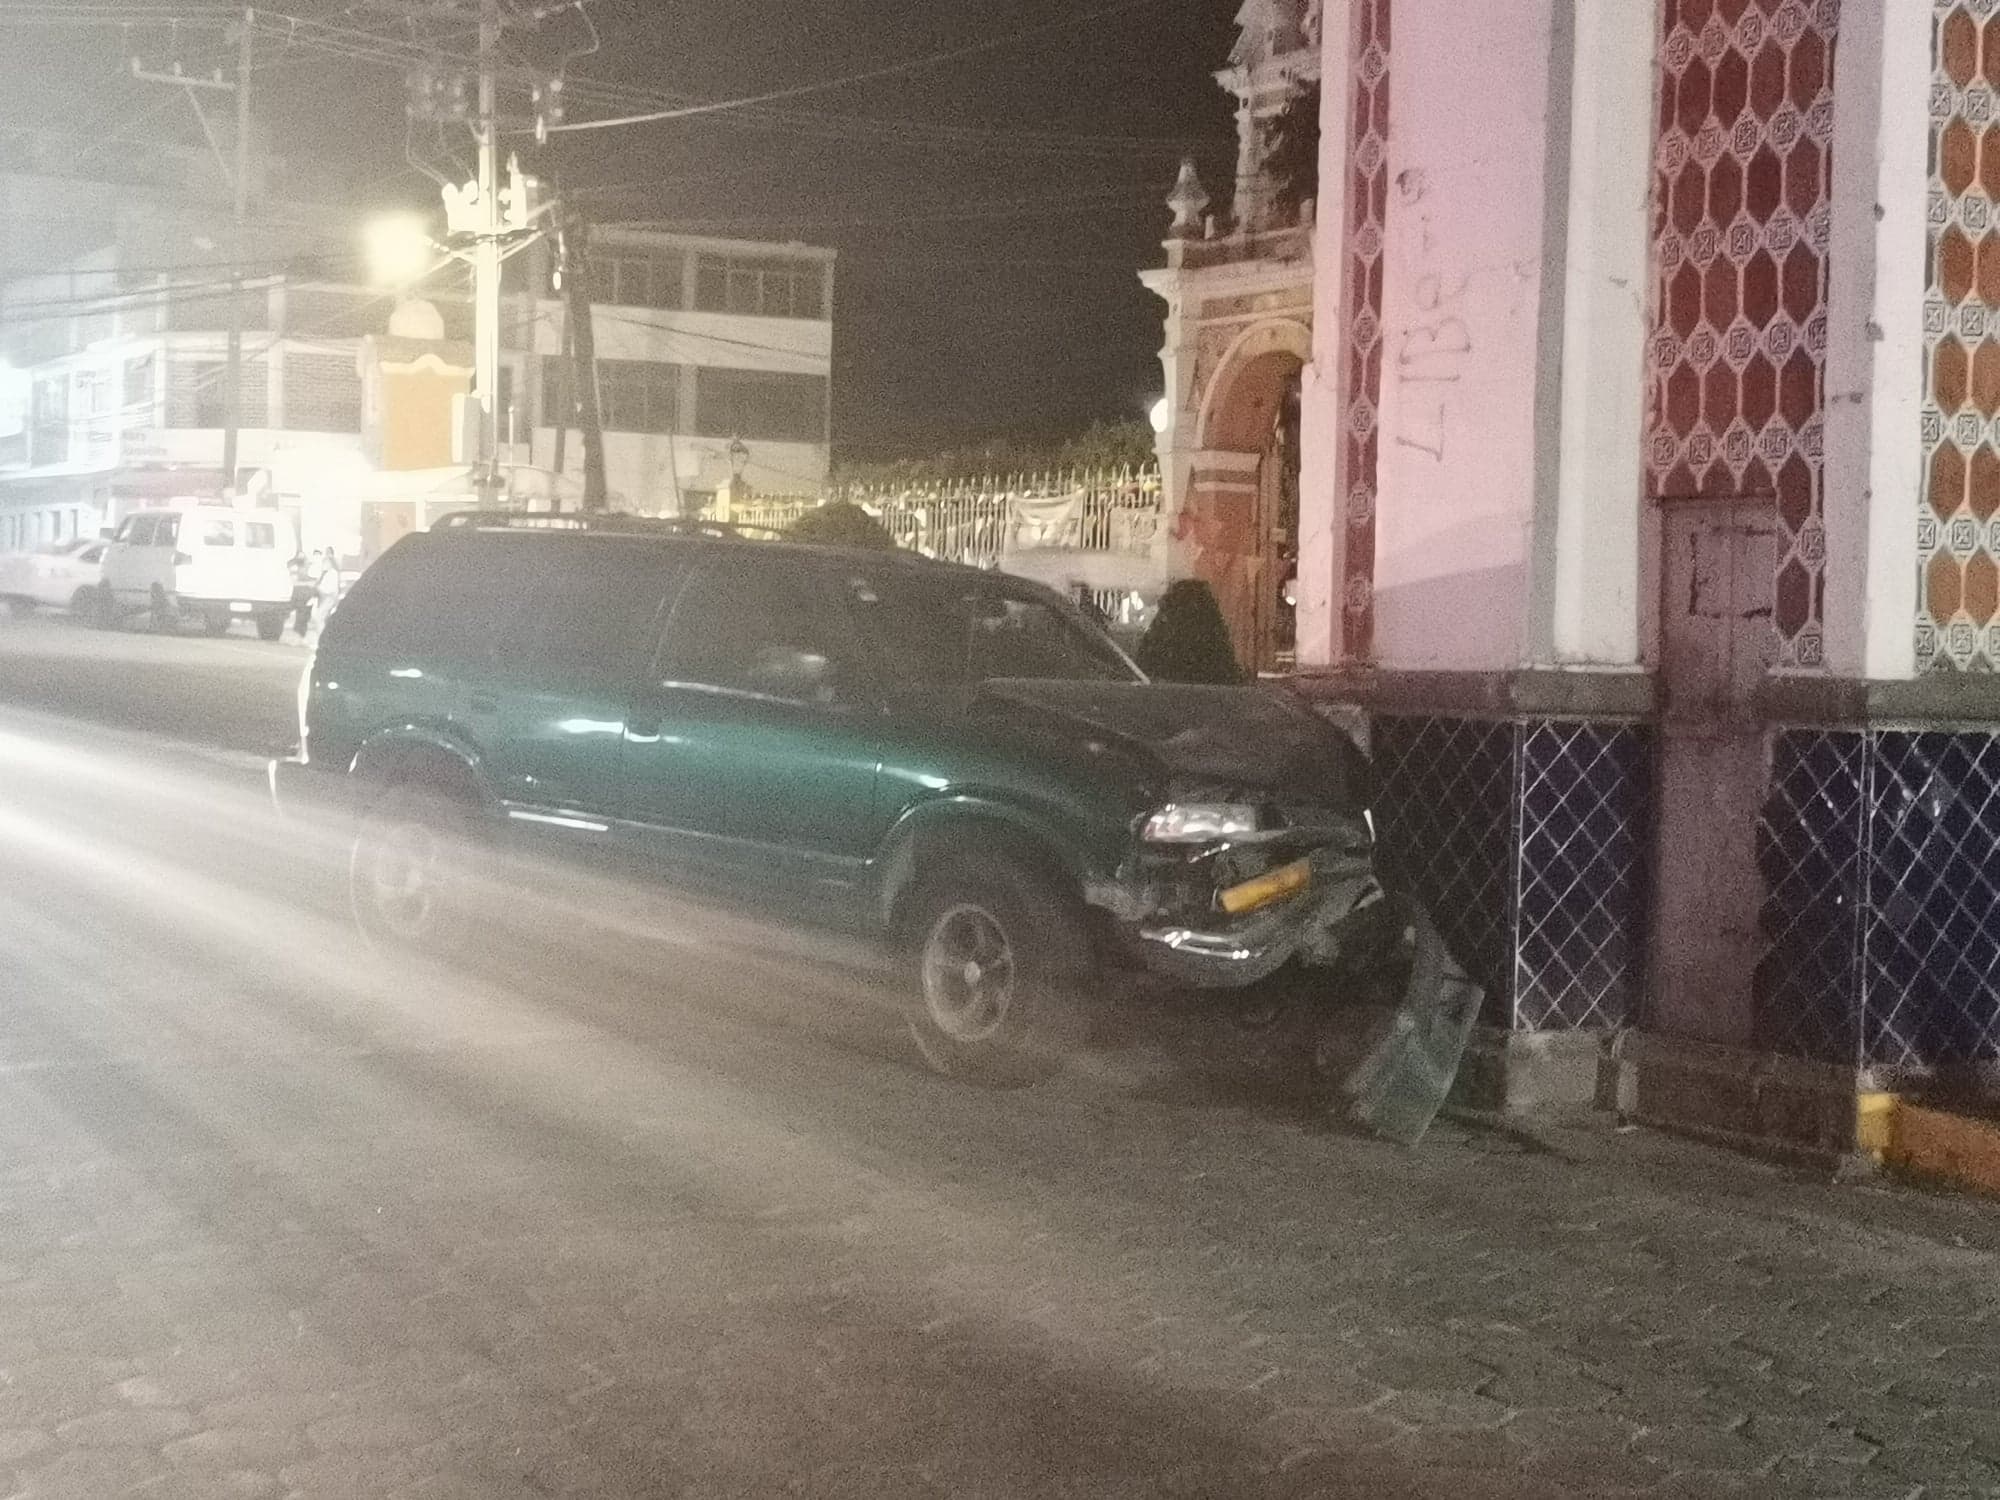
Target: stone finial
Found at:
x=1269, y=29
x=1188, y=200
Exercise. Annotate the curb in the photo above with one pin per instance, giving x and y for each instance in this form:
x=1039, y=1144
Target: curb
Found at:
x=1932, y=1144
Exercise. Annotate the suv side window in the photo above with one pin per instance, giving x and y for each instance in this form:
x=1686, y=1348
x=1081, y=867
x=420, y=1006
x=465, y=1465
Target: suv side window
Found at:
x=758, y=626
x=591, y=613
x=950, y=629
x=435, y=598
x=166, y=531
x=138, y=531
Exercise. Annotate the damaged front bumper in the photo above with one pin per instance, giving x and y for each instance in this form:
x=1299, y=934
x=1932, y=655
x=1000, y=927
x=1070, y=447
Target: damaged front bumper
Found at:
x=1292, y=910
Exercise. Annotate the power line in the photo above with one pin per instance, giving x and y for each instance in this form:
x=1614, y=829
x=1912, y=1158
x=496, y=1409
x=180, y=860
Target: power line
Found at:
x=1024, y=207
x=891, y=70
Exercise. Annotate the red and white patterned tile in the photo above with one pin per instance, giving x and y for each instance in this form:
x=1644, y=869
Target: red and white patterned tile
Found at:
x=1361, y=341
x=1737, y=358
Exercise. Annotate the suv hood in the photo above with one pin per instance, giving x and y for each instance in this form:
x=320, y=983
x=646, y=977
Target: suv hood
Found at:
x=1210, y=743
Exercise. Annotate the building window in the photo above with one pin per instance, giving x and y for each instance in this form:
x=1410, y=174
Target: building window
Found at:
x=759, y=404
x=760, y=288
x=633, y=395
x=49, y=419
x=139, y=383
x=322, y=393
x=195, y=395
x=619, y=280
x=93, y=404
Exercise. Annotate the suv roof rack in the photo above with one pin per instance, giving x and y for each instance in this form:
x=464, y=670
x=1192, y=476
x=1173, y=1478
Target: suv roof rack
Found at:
x=612, y=523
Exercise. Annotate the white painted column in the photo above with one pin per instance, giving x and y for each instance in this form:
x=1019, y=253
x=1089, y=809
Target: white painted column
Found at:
x=1322, y=506
x=1875, y=374
x=1463, y=354
x=1587, y=560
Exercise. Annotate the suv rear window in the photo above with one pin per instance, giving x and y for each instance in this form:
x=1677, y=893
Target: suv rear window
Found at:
x=431, y=597
x=589, y=612
x=218, y=533
x=947, y=630
x=262, y=535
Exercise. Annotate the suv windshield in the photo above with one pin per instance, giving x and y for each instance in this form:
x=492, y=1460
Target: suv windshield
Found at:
x=951, y=630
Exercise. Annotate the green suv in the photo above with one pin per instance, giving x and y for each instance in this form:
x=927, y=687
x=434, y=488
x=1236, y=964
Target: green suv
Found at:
x=959, y=758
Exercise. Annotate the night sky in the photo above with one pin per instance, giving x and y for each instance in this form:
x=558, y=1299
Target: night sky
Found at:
x=986, y=284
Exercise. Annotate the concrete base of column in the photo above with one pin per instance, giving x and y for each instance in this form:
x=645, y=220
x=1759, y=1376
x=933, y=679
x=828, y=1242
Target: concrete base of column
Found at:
x=1816, y=1112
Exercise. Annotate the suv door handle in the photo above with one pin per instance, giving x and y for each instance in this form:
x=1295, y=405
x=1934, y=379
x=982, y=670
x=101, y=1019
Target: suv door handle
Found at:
x=483, y=703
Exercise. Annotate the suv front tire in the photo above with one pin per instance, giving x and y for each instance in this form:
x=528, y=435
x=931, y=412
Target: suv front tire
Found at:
x=411, y=871
x=1001, y=963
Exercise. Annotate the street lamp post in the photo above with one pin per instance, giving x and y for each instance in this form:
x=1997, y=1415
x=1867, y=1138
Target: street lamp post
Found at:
x=736, y=492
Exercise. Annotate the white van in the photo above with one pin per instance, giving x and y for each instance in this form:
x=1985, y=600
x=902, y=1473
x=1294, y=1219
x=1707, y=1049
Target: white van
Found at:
x=207, y=563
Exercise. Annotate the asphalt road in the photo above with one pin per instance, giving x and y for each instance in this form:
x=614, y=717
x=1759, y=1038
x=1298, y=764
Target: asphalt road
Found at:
x=654, y=1200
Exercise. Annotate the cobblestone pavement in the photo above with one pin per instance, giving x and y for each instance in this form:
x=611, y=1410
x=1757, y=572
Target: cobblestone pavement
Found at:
x=682, y=1217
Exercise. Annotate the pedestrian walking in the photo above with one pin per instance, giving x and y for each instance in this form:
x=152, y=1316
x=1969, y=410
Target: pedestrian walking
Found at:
x=325, y=594
x=302, y=593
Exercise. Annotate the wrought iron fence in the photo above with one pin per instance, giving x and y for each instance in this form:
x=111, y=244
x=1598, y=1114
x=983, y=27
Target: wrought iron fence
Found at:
x=980, y=521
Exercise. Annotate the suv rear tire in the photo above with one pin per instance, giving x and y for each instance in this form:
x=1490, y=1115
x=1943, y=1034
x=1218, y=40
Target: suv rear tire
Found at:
x=1000, y=963
x=410, y=872
x=270, y=624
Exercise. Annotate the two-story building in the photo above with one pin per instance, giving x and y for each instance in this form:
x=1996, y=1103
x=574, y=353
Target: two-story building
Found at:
x=113, y=370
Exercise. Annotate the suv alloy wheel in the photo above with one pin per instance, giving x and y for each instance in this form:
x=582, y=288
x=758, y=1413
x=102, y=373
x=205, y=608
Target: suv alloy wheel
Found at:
x=409, y=874
x=1001, y=963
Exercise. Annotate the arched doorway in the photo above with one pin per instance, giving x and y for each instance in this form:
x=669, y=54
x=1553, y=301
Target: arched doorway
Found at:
x=1240, y=518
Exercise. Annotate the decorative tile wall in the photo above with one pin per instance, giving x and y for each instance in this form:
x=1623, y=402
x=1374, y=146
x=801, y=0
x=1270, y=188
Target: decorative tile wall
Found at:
x=1931, y=963
x=1736, y=362
x=1958, y=532
x=1806, y=989
x=1525, y=840
x=1361, y=375
x=1586, y=793
x=1445, y=815
x=1882, y=906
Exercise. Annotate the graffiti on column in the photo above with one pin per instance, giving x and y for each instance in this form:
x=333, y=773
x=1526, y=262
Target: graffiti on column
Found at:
x=1432, y=348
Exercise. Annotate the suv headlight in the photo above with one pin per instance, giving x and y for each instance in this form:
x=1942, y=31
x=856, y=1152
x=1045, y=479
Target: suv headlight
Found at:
x=1199, y=823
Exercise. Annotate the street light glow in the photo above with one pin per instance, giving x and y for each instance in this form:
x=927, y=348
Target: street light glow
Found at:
x=399, y=249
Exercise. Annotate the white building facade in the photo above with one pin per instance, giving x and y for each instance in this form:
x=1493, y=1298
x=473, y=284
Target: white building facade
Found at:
x=113, y=386
x=701, y=344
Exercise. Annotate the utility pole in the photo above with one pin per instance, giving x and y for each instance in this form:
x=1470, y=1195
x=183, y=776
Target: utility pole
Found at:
x=232, y=396
x=232, y=408
x=486, y=260
x=583, y=357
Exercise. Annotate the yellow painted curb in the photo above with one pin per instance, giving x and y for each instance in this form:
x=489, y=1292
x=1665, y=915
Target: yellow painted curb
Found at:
x=1875, y=1123
x=1929, y=1143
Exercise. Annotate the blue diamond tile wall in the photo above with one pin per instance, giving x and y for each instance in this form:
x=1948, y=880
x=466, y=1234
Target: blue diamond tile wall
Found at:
x=1806, y=990
x=1882, y=906
x=1526, y=841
